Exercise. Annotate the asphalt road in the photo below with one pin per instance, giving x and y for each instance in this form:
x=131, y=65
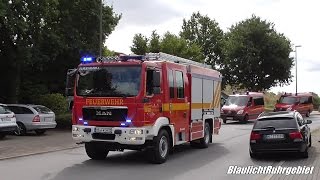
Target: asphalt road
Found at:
x=229, y=148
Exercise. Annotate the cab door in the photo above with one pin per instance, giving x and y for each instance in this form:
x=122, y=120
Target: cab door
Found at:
x=178, y=106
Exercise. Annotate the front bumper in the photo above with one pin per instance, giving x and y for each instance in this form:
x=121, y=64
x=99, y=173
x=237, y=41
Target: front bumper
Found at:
x=233, y=117
x=121, y=135
x=41, y=125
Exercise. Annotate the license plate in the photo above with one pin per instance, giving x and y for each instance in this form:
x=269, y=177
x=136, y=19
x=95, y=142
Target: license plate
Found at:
x=103, y=130
x=5, y=119
x=274, y=136
x=48, y=119
x=229, y=118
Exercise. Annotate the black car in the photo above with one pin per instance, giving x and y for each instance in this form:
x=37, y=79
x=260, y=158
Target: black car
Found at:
x=276, y=132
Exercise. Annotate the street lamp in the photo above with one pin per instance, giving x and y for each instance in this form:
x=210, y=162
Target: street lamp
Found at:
x=296, y=57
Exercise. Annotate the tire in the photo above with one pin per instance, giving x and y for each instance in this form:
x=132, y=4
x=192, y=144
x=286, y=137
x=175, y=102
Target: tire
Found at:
x=96, y=151
x=224, y=121
x=2, y=135
x=253, y=155
x=161, y=147
x=305, y=154
x=204, y=142
x=21, y=131
x=40, y=131
x=245, y=119
x=308, y=113
x=310, y=141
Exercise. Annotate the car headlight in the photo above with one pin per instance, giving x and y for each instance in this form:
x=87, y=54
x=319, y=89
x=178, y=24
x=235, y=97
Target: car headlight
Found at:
x=289, y=109
x=240, y=111
x=136, y=131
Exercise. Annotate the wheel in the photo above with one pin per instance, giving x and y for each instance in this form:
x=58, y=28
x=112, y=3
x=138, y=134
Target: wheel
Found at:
x=253, y=155
x=310, y=141
x=224, y=121
x=2, y=135
x=161, y=146
x=305, y=154
x=245, y=119
x=40, y=131
x=96, y=151
x=21, y=130
x=308, y=113
x=204, y=142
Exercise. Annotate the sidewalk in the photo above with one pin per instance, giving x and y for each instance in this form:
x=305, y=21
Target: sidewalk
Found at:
x=52, y=140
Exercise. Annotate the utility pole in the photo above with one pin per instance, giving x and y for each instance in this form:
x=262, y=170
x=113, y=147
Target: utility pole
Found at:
x=296, y=57
x=100, y=35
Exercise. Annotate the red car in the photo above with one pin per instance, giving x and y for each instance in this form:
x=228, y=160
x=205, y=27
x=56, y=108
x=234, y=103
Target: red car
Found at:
x=301, y=102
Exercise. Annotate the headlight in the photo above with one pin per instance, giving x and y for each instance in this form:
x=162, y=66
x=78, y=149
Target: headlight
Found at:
x=240, y=111
x=136, y=131
x=75, y=129
x=289, y=109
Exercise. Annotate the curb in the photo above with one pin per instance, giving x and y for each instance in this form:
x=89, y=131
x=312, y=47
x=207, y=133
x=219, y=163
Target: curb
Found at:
x=41, y=152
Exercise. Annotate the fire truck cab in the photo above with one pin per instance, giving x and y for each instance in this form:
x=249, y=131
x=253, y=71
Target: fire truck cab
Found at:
x=152, y=102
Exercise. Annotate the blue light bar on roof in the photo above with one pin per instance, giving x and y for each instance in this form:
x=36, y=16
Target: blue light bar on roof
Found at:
x=86, y=59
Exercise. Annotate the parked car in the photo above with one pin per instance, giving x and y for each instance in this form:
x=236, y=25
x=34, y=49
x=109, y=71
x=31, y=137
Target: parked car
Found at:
x=243, y=107
x=301, y=102
x=36, y=118
x=276, y=132
x=7, y=121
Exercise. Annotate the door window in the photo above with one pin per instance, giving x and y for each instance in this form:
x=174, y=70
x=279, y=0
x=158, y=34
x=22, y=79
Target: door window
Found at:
x=179, y=84
x=171, y=83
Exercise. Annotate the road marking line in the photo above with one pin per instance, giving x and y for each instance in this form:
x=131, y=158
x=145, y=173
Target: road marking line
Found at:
x=269, y=176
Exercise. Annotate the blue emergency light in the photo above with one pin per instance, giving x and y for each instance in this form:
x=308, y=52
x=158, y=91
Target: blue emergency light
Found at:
x=86, y=59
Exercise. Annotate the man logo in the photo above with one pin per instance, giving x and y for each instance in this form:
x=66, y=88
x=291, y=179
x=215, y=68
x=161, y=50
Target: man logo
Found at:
x=103, y=113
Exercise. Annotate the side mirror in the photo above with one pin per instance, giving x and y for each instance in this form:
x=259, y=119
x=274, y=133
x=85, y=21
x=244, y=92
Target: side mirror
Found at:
x=249, y=104
x=278, y=101
x=308, y=121
x=297, y=103
x=156, y=79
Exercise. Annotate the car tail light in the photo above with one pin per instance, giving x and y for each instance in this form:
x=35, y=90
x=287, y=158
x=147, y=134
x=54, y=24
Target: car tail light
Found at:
x=295, y=135
x=36, y=118
x=254, y=137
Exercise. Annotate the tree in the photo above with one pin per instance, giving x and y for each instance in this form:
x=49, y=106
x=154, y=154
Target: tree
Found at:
x=40, y=40
x=207, y=34
x=257, y=57
x=140, y=44
x=154, y=43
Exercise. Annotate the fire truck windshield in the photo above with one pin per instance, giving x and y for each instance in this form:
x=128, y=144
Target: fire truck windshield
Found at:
x=287, y=100
x=109, y=81
x=237, y=100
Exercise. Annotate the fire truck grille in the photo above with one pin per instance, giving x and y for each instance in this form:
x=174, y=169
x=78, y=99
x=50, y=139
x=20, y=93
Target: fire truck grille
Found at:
x=104, y=114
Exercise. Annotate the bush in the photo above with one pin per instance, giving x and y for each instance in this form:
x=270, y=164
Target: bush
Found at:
x=64, y=121
x=56, y=102
x=316, y=102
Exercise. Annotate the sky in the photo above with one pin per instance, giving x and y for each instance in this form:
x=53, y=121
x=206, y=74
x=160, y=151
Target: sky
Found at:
x=296, y=19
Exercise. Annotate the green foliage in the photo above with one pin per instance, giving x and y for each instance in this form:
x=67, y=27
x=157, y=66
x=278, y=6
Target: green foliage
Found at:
x=64, y=121
x=316, y=101
x=207, y=34
x=257, y=57
x=140, y=44
x=56, y=102
x=42, y=39
x=168, y=43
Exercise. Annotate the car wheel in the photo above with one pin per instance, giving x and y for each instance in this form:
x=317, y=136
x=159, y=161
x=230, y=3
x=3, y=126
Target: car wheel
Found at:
x=40, y=131
x=308, y=113
x=253, y=155
x=310, y=141
x=21, y=130
x=245, y=119
x=305, y=154
x=224, y=121
x=96, y=151
x=2, y=135
x=161, y=147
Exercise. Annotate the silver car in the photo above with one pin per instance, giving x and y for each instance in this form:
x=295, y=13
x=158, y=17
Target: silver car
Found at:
x=7, y=121
x=36, y=118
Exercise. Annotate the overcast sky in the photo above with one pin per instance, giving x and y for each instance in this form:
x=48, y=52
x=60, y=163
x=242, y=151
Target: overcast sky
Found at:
x=297, y=19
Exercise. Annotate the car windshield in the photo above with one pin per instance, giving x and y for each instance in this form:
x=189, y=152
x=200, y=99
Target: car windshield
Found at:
x=282, y=122
x=287, y=100
x=42, y=109
x=237, y=100
x=110, y=81
x=4, y=110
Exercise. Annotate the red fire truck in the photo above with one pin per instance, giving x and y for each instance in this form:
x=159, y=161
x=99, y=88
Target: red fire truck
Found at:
x=152, y=103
